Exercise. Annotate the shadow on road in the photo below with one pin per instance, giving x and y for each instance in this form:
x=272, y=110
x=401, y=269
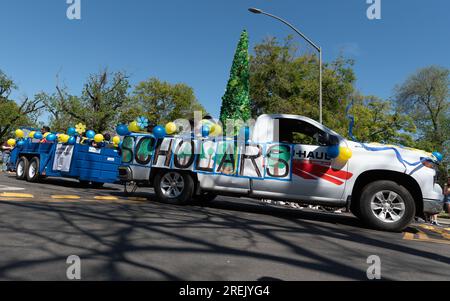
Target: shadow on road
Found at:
x=123, y=235
x=66, y=182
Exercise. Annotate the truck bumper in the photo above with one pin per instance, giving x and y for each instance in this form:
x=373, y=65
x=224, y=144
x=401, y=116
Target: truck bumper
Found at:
x=433, y=201
x=433, y=207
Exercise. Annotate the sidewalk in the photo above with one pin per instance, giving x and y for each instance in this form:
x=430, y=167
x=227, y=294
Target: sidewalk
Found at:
x=444, y=221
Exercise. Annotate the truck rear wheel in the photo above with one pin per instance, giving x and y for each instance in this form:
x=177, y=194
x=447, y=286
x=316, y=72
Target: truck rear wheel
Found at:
x=387, y=206
x=33, y=170
x=21, y=168
x=173, y=187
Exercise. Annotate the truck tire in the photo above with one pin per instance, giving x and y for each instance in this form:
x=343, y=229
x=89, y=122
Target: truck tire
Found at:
x=21, y=168
x=173, y=187
x=33, y=170
x=387, y=206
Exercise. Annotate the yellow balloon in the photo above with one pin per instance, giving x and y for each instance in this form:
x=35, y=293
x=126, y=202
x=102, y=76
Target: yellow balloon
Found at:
x=216, y=130
x=11, y=142
x=31, y=134
x=134, y=127
x=345, y=153
x=171, y=128
x=19, y=133
x=116, y=140
x=46, y=134
x=63, y=138
x=99, y=138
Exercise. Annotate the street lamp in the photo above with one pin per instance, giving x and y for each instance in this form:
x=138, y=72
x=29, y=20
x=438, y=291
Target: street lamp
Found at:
x=318, y=48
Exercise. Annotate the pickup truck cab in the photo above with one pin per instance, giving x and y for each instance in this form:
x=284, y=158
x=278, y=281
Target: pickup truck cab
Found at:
x=286, y=157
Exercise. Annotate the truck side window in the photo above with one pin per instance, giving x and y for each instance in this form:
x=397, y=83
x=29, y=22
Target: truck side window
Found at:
x=295, y=131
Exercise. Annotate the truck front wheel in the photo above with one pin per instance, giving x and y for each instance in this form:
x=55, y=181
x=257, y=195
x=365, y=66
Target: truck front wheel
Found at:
x=21, y=168
x=173, y=187
x=387, y=206
x=33, y=170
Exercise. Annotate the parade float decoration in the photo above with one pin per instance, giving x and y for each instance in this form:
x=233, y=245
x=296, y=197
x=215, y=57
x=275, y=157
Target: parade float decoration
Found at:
x=236, y=100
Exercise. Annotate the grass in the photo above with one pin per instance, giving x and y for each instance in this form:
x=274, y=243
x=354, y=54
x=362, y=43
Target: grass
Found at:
x=444, y=215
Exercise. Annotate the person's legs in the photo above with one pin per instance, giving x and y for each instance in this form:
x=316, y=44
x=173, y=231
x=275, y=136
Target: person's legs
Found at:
x=5, y=160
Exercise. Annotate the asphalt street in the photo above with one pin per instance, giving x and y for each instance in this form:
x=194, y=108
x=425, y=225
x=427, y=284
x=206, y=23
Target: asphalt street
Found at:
x=122, y=238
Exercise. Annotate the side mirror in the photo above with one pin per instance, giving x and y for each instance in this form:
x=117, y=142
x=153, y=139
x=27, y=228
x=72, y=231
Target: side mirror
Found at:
x=326, y=139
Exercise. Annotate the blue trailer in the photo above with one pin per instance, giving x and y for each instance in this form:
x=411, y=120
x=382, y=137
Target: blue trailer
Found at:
x=33, y=160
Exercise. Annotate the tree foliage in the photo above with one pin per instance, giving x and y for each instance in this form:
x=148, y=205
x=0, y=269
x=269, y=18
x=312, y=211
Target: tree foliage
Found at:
x=161, y=102
x=425, y=96
x=282, y=82
x=12, y=113
x=103, y=98
x=376, y=120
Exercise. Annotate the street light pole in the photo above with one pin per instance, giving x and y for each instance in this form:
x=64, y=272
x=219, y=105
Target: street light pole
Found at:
x=318, y=48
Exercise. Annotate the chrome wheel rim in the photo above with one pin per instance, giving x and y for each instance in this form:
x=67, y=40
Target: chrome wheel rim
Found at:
x=32, y=170
x=20, y=168
x=172, y=185
x=387, y=206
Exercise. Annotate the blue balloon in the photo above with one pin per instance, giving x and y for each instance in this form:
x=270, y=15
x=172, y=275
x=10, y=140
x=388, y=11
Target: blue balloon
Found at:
x=51, y=137
x=122, y=130
x=333, y=151
x=21, y=143
x=90, y=134
x=205, y=131
x=72, y=131
x=72, y=140
x=38, y=135
x=159, y=132
x=438, y=156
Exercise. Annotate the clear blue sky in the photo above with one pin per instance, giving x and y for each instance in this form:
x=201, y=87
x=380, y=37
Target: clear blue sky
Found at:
x=193, y=41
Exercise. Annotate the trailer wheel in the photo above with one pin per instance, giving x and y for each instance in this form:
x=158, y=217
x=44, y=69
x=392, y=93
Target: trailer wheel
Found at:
x=173, y=187
x=21, y=168
x=33, y=170
x=387, y=206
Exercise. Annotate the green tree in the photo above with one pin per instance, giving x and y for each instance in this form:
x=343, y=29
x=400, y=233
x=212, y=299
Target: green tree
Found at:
x=161, y=102
x=104, y=97
x=425, y=97
x=13, y=114
x=377, y=121
x=235, y=102
x=282, y=82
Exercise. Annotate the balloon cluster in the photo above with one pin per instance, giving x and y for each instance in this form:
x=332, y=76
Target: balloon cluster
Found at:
x=342, y=153
x=70, y=137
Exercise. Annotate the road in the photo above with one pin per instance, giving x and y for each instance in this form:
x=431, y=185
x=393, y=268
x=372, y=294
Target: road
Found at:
x=119, y=238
